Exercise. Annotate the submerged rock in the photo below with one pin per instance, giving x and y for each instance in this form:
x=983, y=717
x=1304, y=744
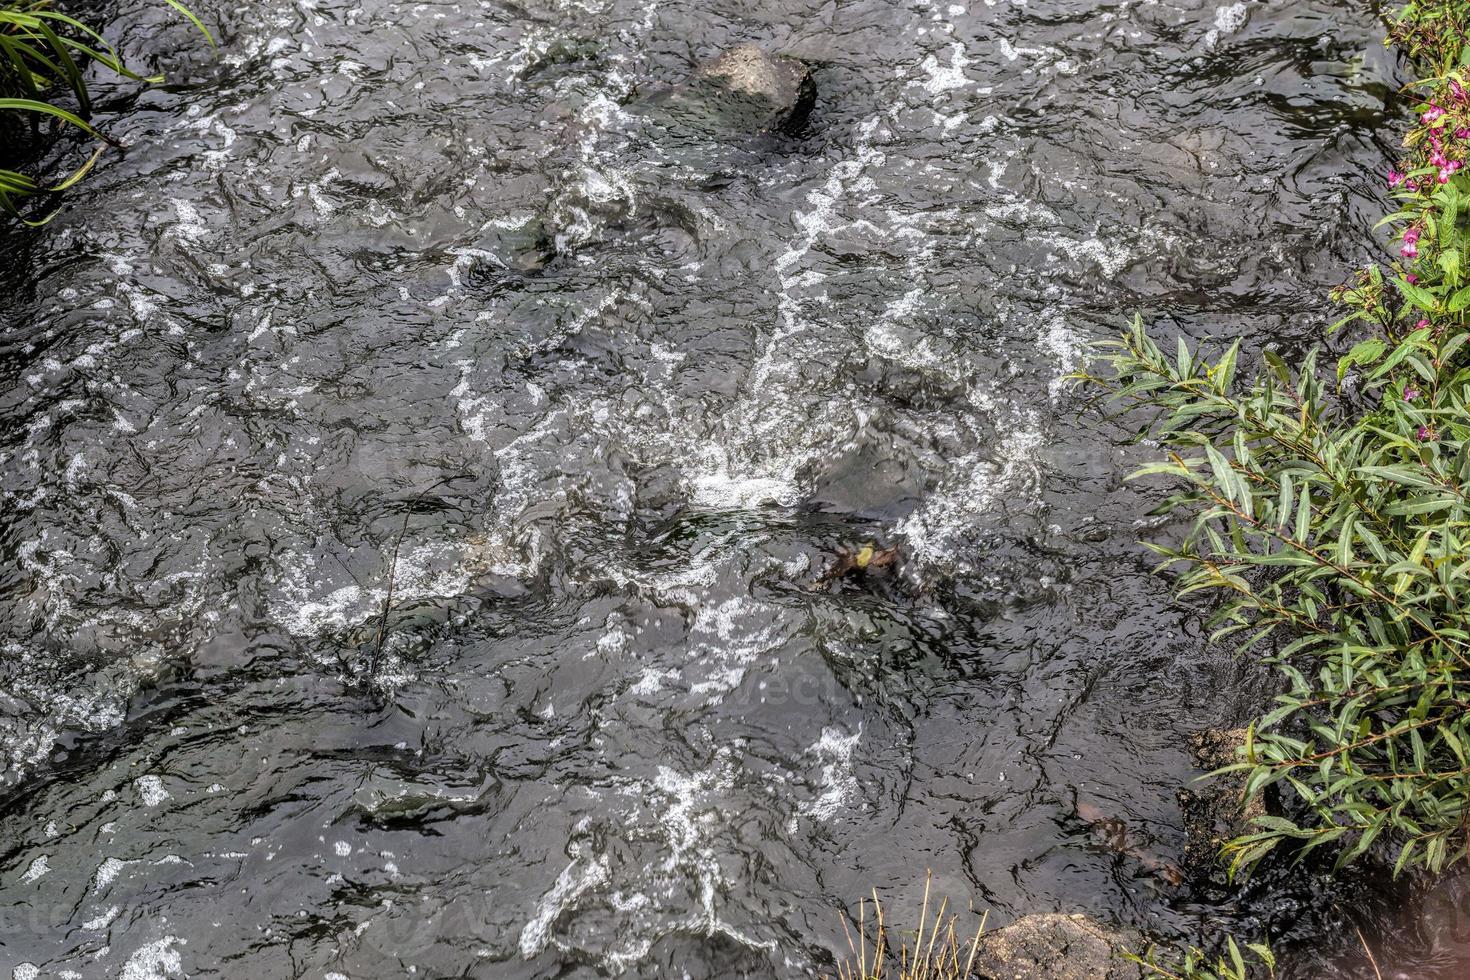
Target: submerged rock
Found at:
x=744, y=90
x=1213, y=809
x=1054, y=947
x=1114, y=834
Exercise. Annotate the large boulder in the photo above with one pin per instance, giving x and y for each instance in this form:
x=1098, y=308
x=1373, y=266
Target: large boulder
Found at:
x=744, y=90
x=1054, y=947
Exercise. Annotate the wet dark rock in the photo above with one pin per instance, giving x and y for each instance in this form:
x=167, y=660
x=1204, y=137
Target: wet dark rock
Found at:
x=1213, y=810
x=746, y=90
x=525, y=248
x=1055, y=947
x=870, y=482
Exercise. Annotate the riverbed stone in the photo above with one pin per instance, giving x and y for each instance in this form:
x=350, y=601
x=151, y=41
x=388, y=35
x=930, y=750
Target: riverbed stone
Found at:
x=1213, y=809
x=1053, y=946
x=745, y=89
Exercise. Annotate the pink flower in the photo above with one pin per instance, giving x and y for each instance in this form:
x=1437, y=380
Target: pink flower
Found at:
x=1411, y=279
x=1395, y=178
x=1463, y=132
x=1457, y=91
x=1412, y=233
x=1410, y=394
x=1422, y=324
x=1432, y=115
x=1409, y=252
x=1425, y=433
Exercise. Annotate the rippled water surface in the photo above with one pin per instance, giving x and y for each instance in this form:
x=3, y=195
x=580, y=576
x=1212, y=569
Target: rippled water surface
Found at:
x=426, y=269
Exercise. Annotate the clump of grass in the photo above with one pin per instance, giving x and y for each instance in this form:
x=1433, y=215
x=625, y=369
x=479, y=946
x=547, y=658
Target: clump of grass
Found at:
x=937, y=951
x=1192, y=964
x=43, y=53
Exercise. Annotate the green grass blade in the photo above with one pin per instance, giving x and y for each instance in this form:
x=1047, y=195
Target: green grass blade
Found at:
x=193, y=19
x=47, y=109
x=69, y=69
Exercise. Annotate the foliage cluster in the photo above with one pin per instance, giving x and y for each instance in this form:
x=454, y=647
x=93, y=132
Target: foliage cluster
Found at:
x=1332, y=513
x=44, y=57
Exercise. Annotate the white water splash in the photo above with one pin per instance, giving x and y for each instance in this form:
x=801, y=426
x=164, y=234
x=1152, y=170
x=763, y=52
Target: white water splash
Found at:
x=944, y=78
x=580, y=876
x=838, y=784
x=1228, y=20
x=38, y=867
x=150, y=790
x=155, y=961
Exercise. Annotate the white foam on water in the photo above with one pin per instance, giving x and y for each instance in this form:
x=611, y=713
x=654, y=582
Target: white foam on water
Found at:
x=509, y=549
x=773, y=432
x=651, y=681
x=1046, y=60
x=576, y=879
x=324, y=206
x=207, y=125
x=727, y=639
x=944, y=78
x=718, y=489
x=1232, y=18
x=597, y=184
x=466, y=259
x=38, y=867
x=1064, y=345
x=936, y=531
x=688, y=816
x=100, y=922
x=886, y=338
x=684, y=586
x=155, y=961
x=424, y=571
x=837, y=781
x=106, y=872
x=150, y=790
x=92, y=703
x=615, y=636
x=679, y=817
x=476, y=412
x=1111, y=257
x=682, y=815
x=190, y=228
x=1228, y=20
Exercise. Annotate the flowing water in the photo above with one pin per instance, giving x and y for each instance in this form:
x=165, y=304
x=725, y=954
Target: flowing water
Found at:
x=422, y=278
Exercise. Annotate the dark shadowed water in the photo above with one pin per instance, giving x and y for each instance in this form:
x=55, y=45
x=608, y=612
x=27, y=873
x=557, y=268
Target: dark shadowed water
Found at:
x=423, y=269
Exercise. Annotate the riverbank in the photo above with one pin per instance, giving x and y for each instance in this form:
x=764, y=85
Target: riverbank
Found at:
x=1330, y=511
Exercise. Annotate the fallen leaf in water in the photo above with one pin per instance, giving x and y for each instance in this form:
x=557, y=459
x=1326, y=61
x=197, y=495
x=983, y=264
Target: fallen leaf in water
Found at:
x=868, y=557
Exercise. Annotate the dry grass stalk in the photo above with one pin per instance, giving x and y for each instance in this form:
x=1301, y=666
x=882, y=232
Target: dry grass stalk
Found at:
x=936, y=956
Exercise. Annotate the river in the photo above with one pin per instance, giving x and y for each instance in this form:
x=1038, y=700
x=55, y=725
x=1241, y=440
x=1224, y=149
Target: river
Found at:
x=420, y=277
